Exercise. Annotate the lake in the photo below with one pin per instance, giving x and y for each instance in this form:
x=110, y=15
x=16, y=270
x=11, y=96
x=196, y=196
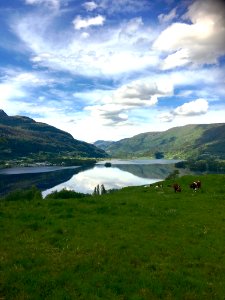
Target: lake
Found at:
x=84, y=179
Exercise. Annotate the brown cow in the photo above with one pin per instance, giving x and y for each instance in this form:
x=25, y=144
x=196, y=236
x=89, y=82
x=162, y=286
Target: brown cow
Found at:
x=177, y=187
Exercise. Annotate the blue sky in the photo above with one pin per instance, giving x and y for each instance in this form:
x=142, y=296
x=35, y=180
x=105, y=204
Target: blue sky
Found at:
x=111, y=69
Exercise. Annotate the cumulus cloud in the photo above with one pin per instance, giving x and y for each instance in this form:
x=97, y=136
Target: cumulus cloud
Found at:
x=201, y=42
x=118, y=53
x=109, y=113
x=80, y=23
x=193, y=108
x=197, y=107
x=142, y=92
x=135, y=95
x=90, y=6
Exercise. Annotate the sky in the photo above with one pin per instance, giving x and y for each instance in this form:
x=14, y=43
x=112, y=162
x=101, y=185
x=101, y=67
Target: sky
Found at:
x=111, y=69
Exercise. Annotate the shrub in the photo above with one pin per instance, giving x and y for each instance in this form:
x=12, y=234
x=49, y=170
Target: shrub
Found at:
x=173, y=175
x=30, y=194
x=159, y=155
x=181, y=164
x=65, y=194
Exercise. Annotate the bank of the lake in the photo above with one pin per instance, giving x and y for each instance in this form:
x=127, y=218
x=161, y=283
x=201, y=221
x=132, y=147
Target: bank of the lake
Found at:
x=139, y=161
x=136, y=243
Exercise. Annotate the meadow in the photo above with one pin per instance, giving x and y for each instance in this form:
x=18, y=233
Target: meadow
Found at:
x=132, y=244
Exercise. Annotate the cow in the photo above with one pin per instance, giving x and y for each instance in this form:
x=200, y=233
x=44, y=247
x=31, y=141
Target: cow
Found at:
x=177, y=187
x=195, y=185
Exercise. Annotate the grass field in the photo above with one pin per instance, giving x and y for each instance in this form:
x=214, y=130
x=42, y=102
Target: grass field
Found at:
x=136, y=243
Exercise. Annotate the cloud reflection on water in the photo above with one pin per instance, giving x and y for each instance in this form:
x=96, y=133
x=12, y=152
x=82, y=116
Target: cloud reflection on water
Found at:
x=112, y=178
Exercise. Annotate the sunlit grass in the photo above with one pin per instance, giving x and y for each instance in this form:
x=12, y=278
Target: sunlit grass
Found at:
x=137, y=243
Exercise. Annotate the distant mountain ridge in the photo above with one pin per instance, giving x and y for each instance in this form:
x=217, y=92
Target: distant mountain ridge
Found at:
x=179, y=142
x=103, y=144
x=23, y=136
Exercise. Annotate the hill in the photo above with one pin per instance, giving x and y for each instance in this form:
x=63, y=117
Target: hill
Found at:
x=136, y=243
x=103, y=144
x=179, y=142
x=22, y=136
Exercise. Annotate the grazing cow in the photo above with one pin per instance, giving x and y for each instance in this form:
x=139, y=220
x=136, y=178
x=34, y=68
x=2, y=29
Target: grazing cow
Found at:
x=195, y=185
x=177, y=187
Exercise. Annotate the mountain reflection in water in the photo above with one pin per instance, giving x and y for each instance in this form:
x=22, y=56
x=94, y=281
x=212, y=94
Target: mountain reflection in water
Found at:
x=43, y=180
x=115, y=177
x=86, y=179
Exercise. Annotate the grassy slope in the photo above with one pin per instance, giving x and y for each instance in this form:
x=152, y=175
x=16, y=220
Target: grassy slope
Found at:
x=137, y=243
x=180, y=142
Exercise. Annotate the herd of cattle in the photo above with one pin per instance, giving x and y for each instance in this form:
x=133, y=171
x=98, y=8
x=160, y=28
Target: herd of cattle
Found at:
x=195, y=185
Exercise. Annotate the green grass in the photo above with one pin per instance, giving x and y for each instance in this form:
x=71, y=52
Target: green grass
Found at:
x=137, y=243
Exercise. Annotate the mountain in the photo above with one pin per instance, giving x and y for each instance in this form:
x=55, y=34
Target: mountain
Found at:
x=103, y=144
x=22, y=136
x=179, y=142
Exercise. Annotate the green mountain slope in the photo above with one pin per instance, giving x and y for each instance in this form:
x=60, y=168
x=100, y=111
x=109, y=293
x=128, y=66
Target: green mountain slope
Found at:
x=22, y=136
x=103, y=144
x=178, y=142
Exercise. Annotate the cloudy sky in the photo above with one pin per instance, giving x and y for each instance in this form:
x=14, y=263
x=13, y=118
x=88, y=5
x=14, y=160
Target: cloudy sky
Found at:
x=110, y=69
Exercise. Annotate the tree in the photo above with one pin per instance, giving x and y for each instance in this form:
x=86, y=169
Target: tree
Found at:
x=103, y=190
x=96, y=190
x=159, y=155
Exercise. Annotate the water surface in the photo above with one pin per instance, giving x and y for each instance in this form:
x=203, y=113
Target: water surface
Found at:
x=84, y=179
x=112, y=178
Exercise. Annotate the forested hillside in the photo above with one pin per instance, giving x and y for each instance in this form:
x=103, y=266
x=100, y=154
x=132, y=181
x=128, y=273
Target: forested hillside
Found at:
x=179, y=142
x=21, y=136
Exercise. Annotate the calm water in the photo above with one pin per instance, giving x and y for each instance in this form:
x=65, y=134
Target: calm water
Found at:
x=122, y=173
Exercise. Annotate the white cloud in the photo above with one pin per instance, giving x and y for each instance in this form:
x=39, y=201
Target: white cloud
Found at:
x=201, y=42
x=140, y=92
x=105, y=54
x=17, y=88
x=118, y=54
x=163, y=18
x=8, y=91
x=193, y=108
x=116, y=108
x=108, y=114
x=90, y=6
x=80, y=23
x=146, y=122
x=34, y=79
